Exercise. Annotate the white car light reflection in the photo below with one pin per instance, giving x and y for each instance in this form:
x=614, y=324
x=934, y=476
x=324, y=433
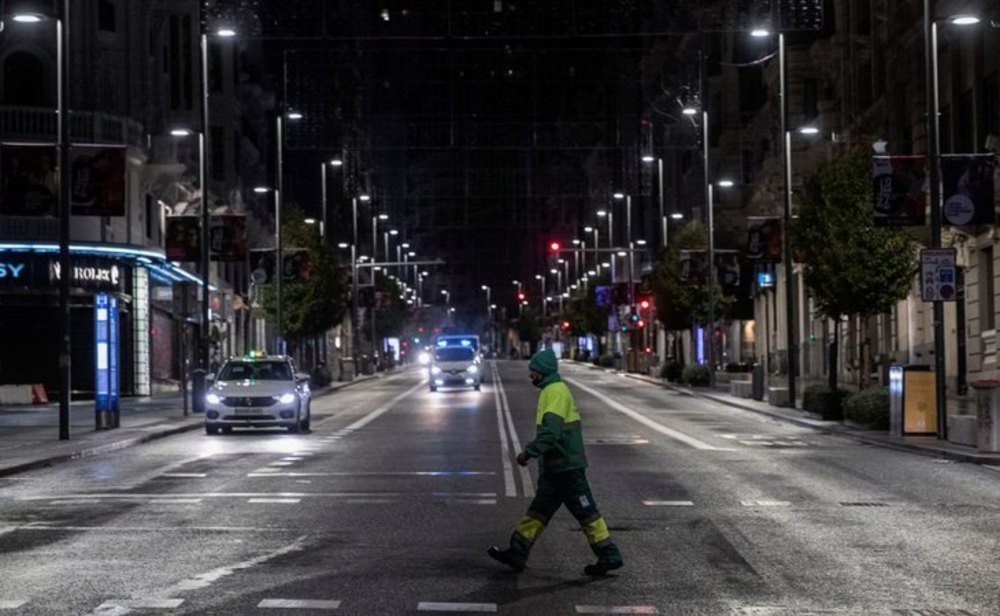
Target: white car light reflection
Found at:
x=213, y=399
x=286, y=398
x=435, y=370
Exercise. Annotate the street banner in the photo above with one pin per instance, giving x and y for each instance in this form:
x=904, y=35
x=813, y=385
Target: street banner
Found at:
x=727, y=270
x=183, y=239
x=899, y=185
x=297, y=265
x=764, y=239
x=693, y=266
x=97, y=180
x=29, y=180
x=227, y=238
x=602, y=296
x=968, y=189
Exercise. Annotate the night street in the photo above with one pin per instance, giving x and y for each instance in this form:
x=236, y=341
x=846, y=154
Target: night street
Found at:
x=387, y=507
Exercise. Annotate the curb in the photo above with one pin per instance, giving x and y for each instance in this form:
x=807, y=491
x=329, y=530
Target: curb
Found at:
x=835, y=429
x=97, y=450
x=138, y=440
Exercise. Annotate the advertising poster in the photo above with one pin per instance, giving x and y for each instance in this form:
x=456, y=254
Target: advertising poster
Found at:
x=97, y=181
x=297, y=264
x=227, y=238
x=899, y=188
x=183, y=239
x=968, y=189
x=764, y=239
x=262, y=265
x=727, y=270
x=29, y=180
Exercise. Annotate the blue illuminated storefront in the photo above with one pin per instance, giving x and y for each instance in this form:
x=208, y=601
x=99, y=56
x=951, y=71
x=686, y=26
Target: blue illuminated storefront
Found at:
x=132, y=276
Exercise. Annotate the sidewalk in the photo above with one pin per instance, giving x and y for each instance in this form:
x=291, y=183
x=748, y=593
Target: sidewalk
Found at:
x=29, y=435
x=926, y=445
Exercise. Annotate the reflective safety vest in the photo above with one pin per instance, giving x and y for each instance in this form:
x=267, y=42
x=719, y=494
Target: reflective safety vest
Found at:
x=558, y=440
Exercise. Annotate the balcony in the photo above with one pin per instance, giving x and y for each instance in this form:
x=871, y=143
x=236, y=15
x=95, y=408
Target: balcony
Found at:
x=39, y=124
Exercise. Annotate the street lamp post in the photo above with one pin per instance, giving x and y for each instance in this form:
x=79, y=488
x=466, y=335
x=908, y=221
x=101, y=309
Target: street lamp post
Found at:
x=545, y=298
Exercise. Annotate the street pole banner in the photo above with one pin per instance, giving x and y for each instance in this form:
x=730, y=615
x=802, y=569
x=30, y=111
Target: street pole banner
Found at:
x=765, y=239
x=727, y=270
x=968, y=189
x=899, y=187
x=97, y=180
x=938, y=275
x=227, y=238
x=29, y=180
x=694, y=266
x=296, y=265
x=262, y=265
x=183, y=239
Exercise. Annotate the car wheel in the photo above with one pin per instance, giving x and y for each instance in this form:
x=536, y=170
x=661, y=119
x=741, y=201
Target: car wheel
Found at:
x=477, y=387
x=210, y=429
x=433, y=389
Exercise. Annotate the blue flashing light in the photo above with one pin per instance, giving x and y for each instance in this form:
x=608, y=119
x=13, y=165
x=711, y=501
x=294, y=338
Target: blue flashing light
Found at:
x=466, y=343
x=442, y=343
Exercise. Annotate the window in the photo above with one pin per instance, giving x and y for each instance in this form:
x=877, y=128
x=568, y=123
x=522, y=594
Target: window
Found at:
x=987, y=314
x=106, y=21
x=24, y=80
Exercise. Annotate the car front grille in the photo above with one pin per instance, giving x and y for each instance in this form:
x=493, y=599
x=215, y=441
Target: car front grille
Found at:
x=248, y=401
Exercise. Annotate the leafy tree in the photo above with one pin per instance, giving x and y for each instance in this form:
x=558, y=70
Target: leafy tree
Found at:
x=852, y=267
x=310, y=307
x=681, y=304
x=583, y=313
x=529, y=326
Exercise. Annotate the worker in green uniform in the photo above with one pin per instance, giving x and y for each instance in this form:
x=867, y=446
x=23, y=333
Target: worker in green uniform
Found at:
x=562, y=478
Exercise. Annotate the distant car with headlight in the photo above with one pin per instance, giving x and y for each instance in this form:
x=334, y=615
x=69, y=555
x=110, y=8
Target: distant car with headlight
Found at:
x=258, y=392
x=455, y=366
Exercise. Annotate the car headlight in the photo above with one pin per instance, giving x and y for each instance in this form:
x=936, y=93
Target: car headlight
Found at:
x=213, y=398
x=285, y=398
x=472, y=369
x=424, y=358
x=435, y=370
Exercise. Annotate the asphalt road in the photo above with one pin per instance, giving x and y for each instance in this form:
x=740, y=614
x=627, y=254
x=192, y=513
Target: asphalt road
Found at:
x=387, y=507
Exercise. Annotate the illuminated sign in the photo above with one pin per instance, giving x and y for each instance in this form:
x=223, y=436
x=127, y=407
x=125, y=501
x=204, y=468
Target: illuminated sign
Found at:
x=106, y=366
x=90, y=275
x=765, y=280
x=13, y=271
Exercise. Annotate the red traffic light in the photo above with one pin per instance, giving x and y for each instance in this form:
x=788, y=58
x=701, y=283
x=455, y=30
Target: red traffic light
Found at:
x=565, y=325
x=644, y=304
x=554, y=246
x=520, y=297
x=641, y=324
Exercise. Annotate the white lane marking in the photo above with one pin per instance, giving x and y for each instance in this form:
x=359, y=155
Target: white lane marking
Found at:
x=370, y=501
x=124, y=606
x=11, y=604
x=649, y=423
x=177, y=501
x=616, y=609
x=285, y=501
x=75, y=501
x=185, y=475
x=526, y=484
x=153, y=498
x=431, y=606
x=204, y=580
x=156, y=529
x=447, y=474
x=292, y=459
x=478, y=501
x=510, y=488
x=280, y=464
x=370, y=417
x=299, y=604
x=765, y=503
x=661, y=503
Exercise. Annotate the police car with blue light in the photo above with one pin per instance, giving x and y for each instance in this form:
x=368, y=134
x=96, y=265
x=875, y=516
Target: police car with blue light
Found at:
x=455, y=362
x=258, y=391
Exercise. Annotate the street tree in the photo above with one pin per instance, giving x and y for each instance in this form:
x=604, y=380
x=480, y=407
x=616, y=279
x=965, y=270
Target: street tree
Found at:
x=682, y=304
x=852, y=267
x=313, y=298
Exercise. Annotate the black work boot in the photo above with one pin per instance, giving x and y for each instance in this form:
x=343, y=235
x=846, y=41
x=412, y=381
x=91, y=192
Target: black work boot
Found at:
x=602, y=568
x=507, y=557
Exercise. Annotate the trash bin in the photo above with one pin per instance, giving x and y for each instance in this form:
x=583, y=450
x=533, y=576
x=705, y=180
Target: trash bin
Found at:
x=347, y=369
x=912, y=400
x=198, y=390
x=757, y=379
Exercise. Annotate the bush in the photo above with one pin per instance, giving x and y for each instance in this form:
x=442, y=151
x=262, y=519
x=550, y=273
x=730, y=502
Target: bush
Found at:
x=607, y=361
x=869, y=408
x=695, y=375
x=828, y=404
x=672, y=371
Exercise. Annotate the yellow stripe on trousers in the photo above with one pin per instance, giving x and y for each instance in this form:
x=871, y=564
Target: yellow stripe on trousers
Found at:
x=530, y=528
x=596, y=531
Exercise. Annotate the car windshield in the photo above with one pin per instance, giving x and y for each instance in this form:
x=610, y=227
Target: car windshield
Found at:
x=454, y=354
x=256, y=370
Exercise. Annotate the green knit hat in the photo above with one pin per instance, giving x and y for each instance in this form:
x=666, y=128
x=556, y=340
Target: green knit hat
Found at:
x=544, y=363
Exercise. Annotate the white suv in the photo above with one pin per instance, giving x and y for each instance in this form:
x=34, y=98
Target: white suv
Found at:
x=455, y=366
x=258, y=393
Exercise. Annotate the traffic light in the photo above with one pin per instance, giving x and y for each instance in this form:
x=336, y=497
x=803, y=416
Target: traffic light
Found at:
x=623, y=328
x=554, y=246
x=640, y=324
x=634, y=317
x=644, y=304
x=565, y=325
x=520, y=297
